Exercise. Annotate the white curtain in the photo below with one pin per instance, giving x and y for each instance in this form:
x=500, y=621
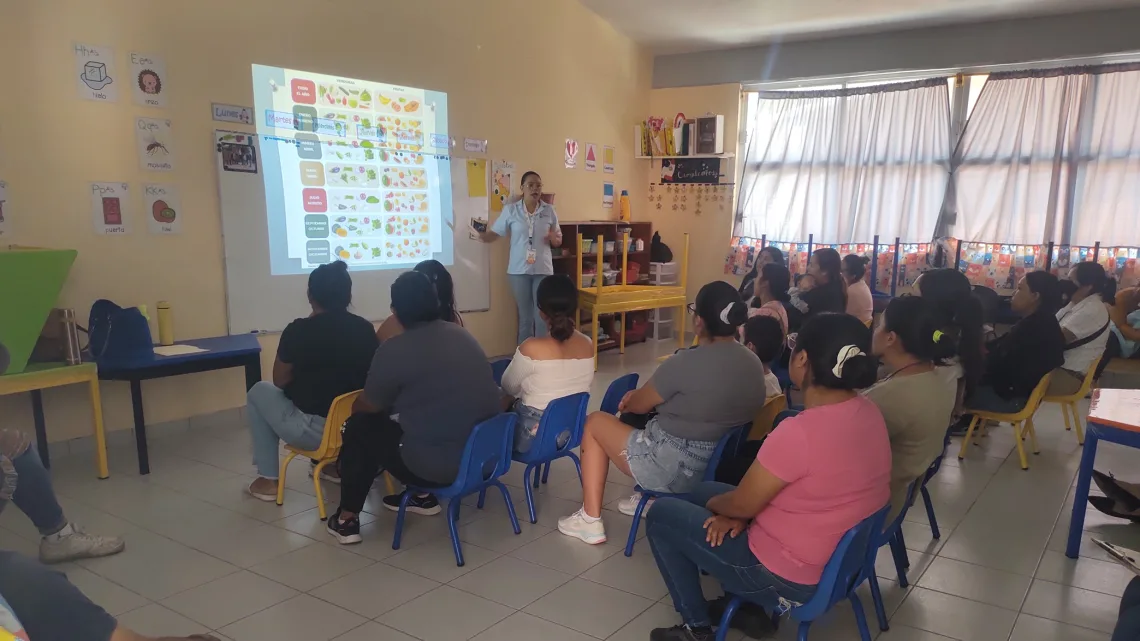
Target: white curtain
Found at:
x=1052, y=155
x=848, y=164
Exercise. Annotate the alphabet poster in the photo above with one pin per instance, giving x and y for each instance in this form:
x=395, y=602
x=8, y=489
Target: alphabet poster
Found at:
x=155, y=144
x=502, y=182
x=163, y=209
x=110, y=208
x=95, y=74
x=148, y=80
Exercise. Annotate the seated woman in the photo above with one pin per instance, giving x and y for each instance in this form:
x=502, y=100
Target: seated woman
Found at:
x=770, y=294
x=1125, y=339
x=445, y=291
x=916, y=402
x=1017, y=361
x=767, y=255
x=1084, y=322
x=764, y=336
x=860, y=304
x=958, y=310
x=827, y=291
x=817, y=475
x=699, y=395
x=545, y=368
x=319, y=358
x=437, y=379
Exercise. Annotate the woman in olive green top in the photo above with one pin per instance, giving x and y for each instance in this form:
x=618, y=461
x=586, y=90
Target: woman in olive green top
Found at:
x=915, y=401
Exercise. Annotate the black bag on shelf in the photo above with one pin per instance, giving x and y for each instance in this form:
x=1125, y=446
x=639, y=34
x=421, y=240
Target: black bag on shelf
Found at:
x=659, y=252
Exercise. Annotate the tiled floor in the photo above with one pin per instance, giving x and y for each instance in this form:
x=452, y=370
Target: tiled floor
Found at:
x=203, y=556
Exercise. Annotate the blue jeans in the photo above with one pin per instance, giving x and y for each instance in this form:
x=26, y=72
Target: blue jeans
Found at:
x=274, y=418
x=676, y=533
x=1128, y=623
x=525, y=289
x=34, y=495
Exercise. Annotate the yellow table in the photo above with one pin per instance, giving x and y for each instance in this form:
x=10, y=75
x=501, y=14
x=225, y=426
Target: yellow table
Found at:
x=620, y=299
x=41, y=376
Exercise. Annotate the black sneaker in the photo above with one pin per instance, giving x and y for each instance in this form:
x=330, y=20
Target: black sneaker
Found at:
x=426, y=505
x=962, y=425
x=750, y=618
x=345, y=532
x=682, y=633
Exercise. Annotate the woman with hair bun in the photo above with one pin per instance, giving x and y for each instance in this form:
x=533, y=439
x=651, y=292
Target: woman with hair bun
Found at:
x=549, y=367
x=698, y=395
x=816, y=476
x=860, y=303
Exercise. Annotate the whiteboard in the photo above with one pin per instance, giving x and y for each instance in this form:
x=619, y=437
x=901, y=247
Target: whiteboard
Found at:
x=257, y=301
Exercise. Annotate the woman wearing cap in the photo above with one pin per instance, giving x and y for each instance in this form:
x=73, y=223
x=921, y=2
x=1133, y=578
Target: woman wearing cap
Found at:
x=698, y=395
x=533, y=229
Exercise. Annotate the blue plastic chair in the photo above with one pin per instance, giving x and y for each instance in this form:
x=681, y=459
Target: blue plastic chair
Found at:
x=934, y=467
x=892, y=535
x=498, y=368
x=561, y=415
x=729, y=443
x=617, y=391
x=486, y=457
x=847, y=568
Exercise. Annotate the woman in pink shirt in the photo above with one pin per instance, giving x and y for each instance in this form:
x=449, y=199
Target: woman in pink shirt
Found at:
x=859, y=301
x=817, y=475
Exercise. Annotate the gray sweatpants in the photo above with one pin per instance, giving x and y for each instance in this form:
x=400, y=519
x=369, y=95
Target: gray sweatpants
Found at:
x=48, y=605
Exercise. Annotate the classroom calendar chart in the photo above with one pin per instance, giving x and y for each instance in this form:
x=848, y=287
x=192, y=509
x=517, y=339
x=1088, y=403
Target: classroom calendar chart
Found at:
x=360, y=168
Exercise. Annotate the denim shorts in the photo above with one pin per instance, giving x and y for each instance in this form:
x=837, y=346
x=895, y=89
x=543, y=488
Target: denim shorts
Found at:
x=526, y=428
x=661, y=462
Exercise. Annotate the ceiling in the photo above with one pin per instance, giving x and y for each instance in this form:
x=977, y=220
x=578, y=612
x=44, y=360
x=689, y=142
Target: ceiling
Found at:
x=671, y=26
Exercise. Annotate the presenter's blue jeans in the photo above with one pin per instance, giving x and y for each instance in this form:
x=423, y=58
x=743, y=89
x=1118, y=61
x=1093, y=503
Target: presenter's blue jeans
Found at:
x=274, y=418
x=525, y=288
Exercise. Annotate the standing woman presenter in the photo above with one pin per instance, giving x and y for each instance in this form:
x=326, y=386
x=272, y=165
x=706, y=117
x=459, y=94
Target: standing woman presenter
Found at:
x=533, y=229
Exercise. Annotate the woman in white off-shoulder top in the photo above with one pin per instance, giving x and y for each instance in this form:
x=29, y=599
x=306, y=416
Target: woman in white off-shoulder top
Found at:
x=549, y=367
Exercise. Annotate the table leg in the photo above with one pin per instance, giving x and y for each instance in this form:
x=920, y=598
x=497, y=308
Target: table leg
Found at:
x=1081, y=498
x=594, y=334
x=41, y=427
x=140, y=426
x=100, y=435
x=681, y=313
x=621, y=341
x=252, y=371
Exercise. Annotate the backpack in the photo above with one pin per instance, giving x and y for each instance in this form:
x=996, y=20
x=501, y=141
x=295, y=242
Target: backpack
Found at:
x=118, y=334
x=659, y=252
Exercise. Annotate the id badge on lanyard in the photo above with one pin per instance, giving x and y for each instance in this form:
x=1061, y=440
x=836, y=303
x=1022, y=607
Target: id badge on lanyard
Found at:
x=531, y=254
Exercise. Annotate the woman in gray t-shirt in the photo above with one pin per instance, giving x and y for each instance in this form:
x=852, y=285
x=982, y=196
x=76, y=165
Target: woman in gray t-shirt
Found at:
x=698, y=395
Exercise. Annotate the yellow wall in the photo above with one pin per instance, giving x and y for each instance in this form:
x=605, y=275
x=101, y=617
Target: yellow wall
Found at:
x=523, y=74
x=710, y=231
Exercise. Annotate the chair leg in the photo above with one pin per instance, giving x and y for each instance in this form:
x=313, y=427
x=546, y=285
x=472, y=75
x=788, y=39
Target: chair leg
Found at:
x=389, y=484
x=898, y=552
x=510, y=506
x=317, y=487
x=860, y=619
x=452, y=519
x=636, y=522
x=934, y=533
x=802, y=635
x=877, y=600
x=546, y=473
x=1032, y=435
x=1065, y=415
x=1077, y=423
x=969, y=435
x=399, y=529
x=724, y=626
x=281, y=481
x=482, y=498
x=577, y=464
x=1020, y=447
x=529, y=492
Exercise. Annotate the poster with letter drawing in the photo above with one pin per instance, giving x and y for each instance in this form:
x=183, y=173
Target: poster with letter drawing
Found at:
x=502, y=183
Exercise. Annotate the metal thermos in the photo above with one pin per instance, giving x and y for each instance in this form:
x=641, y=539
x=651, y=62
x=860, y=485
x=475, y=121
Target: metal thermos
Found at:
x=71, y=348
x=165, y=323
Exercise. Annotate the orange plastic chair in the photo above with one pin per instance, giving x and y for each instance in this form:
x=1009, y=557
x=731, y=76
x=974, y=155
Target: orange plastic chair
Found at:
x=327, y=452
x=762, y=424
x=1069, y=403
x=1022, y=422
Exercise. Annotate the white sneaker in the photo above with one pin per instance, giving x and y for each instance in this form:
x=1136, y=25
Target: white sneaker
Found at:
x=72, y=543
x=578, y=527
x=629, y=506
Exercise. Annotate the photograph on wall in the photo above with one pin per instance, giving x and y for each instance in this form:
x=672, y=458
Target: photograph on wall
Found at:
x=95, y=74
x=238, y=157
x=155, y=144
x=608, y=159
x=110, y=208
x=148, y=80
x=591, y=157
x=163, y=209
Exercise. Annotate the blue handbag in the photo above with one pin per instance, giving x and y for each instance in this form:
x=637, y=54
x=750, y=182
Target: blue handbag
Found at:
x=118, y=335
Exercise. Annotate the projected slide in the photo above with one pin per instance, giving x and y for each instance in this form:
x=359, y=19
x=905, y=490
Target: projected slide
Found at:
x=354, y=170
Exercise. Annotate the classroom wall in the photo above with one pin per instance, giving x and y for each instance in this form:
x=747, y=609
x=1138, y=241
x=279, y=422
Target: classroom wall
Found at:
x=524, y=75
x=710, y=231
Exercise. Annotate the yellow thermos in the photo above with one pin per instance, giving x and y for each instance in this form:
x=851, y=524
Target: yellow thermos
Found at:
x=165, y=323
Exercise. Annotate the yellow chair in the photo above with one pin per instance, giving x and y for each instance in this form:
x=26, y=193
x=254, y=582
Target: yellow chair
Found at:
x=1069, y=403
x=1021, y=421
x=327, y=452
x=762, y=424
x=869, y=322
